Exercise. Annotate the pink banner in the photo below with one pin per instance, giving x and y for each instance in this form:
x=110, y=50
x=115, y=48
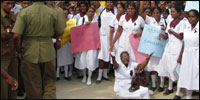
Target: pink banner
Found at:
x=85, y=37
x=140, y=57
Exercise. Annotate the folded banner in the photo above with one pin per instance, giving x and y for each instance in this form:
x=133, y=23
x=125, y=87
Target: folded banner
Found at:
x=85, y=37
x=66, y=35
x=140, y=57
x=150, y=43
x=192, y=5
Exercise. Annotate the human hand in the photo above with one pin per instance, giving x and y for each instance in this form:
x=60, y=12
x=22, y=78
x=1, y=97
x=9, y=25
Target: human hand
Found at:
x=58, y=44
x=137, y=35
x=170, y=31
x=11, y=81
x=111, y=47
x=87, y=23
x=161, y=36
x=163, y=28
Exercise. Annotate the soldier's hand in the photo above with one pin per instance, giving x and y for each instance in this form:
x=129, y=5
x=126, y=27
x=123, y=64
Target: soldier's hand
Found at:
x=11, y=81
x=58, y=44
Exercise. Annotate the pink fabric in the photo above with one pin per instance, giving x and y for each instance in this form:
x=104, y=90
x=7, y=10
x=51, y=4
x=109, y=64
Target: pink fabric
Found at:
x=140, y=57
x=85, y=37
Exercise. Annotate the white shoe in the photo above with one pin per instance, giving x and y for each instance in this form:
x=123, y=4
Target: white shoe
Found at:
x=89, y=82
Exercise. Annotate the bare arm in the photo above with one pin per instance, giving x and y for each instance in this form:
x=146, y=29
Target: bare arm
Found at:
x=141, y=9
x=181, y=53
x=179, y=36
x=111, y=34
x=118, y=34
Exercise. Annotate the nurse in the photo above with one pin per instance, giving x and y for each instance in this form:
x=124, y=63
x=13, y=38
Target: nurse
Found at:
x=123, y=78
x=130, y=23
x=88, y=59
x=168, y=62
x=157, y=21
x=189, y=57
x=114, y=27
x=104, y=55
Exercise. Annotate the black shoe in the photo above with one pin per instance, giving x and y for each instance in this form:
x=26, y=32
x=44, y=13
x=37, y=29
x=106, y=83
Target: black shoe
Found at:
x=195, y=93
x=79, y=77
x=177, y=97
x=98, y=81
x=160, y=89
x=20, y=93
x=153, y=88
x=168, y=92
x=105, y=78
x=67, y=78
x=57, y=78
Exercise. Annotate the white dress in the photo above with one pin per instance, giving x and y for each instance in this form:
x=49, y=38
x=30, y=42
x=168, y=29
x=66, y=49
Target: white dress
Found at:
x=189, y=71
x=106, y=18
x=168, y=61
x=124, y=41
x=64, y=55
x=154, y=61
x=87, y=59
x=123, y=83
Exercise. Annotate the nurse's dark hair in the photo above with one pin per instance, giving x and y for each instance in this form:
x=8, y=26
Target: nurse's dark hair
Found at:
x=159, y=9
x=123, y=6
x=133, y=5
x=196, y=13
x=123, y=53
x=166, y=10
x=177, y=7
x=91, y=7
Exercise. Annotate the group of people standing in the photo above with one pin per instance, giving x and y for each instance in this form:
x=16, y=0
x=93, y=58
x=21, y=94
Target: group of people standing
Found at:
x=39, y=26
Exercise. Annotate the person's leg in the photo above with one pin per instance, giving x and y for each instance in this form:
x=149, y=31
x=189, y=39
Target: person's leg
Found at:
x=101, y=66
x=189, y=94
x=31, y=74
x=105, y=70
x=84, y=76
x=153, y=79
x=58, y=72
x=49, y=79
x=89, y=80
x=170, y=88
x=177, y=96
x=70, y=70
x=161, y=88
x=66, y=71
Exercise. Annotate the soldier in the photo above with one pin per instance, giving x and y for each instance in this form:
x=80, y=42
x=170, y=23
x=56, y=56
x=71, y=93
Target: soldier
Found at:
x=8, y=51
x=37, y=23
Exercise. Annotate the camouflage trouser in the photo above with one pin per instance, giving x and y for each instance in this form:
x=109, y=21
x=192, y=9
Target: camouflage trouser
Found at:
x=39, y=79
x=10, y=66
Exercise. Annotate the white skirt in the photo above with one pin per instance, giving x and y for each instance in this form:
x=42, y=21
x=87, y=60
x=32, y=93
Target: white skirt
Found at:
x=104, y=53
x=87, y=59
x=189, y=71
x=168, y=62
x=64, y=55
x=153, y=63
x=121, y=88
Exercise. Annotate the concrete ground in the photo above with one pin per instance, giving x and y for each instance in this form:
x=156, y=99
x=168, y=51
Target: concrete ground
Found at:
x=75, y=89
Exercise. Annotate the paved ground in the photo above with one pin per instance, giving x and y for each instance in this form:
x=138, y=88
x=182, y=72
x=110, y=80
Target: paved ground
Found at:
x=75, y=89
